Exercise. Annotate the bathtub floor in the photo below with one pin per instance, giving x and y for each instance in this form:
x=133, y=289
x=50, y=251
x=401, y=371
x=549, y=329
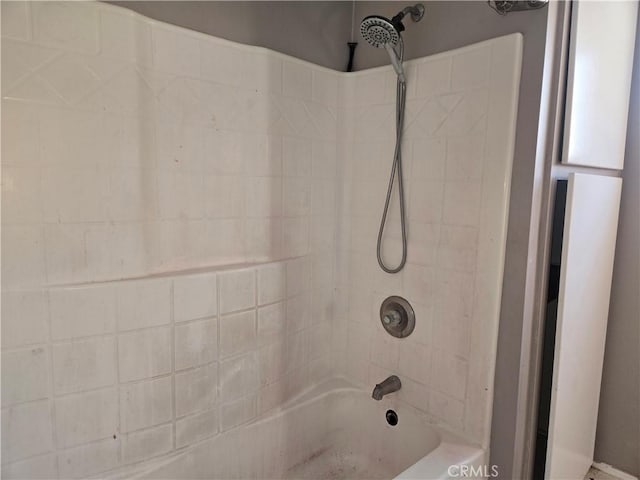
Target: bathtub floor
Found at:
x=331, y=465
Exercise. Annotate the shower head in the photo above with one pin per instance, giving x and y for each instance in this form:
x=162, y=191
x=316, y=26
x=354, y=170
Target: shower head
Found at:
x=379, y=31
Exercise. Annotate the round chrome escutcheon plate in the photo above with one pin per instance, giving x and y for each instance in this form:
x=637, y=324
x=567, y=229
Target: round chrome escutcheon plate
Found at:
x=397, y=317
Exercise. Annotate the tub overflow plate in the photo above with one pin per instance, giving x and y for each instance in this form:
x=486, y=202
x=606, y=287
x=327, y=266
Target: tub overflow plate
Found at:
x=397, y=317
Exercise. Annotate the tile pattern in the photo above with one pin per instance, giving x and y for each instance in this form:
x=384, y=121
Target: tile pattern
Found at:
x=132, y=148
x=163, y=372
x=457, y=154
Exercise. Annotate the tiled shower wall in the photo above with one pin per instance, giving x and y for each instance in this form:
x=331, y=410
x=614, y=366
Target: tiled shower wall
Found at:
x=140, y=162
x=457, y=155
x=130, y=370
x=132, y=149
x=152, y=148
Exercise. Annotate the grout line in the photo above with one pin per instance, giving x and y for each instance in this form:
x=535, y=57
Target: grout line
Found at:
x=138, y=381
x=27, y=346
x=52, y=404
x=84, y=392
x=116, y=342
x=192, y=368
x=26, y=402
x=217, y=408
x=107, y=334
x=215, y=269
x=173, y=363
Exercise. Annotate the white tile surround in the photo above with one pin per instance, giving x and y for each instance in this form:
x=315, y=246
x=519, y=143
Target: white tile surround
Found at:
x=189, y=225
x=457, y=157
x=130, y=381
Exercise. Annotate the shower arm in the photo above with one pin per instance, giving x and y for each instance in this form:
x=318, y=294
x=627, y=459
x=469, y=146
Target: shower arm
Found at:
x=415, y=11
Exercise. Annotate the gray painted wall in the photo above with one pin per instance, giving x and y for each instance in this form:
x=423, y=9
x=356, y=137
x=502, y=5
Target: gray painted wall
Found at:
x=315, y=31
x=618, y=435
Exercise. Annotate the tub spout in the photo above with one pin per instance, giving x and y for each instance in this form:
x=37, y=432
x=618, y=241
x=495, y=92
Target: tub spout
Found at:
x=389, y=385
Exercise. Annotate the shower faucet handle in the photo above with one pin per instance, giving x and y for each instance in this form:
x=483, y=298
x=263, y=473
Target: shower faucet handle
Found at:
x=392, y=318
x=397, y=316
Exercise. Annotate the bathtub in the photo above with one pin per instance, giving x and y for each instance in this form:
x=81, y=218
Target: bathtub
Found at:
x=333, y=431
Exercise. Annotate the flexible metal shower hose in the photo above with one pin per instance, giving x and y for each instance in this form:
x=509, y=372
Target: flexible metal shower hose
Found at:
x=396, y=169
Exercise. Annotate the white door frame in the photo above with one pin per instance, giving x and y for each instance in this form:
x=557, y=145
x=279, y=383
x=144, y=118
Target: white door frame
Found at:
x=548, y=169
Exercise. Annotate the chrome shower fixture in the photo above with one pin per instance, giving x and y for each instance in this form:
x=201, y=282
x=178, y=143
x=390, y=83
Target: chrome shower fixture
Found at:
x=389, y=385
x=507, y=6
x=380, y=32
